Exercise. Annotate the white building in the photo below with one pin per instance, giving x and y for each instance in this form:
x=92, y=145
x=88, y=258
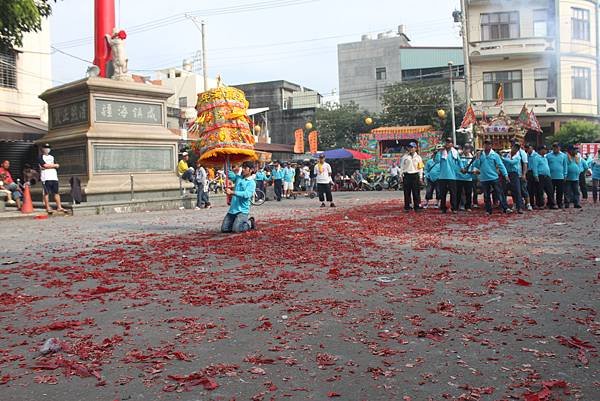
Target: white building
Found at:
x=543, y=52
x=25, y=73
x=186, y=84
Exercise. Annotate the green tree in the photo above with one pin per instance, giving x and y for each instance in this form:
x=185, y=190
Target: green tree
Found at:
x=577, y=131
x=417, y=104
x=339, y=125
x=21, y=16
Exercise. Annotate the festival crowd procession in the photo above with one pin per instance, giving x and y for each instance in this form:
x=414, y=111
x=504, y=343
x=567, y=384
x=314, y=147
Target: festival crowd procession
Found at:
x=407, y=265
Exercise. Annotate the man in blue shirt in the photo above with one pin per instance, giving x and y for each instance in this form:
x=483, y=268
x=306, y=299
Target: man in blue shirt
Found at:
x=487, y=165
x=432, y=174
x=532, y=185
x=594, y=165
x=557, y=162
x=541, y=175
x=572, y=180
x=261, y=177
x=236, y=220
x=277, y=177
x=512, y=162
x=449, y=162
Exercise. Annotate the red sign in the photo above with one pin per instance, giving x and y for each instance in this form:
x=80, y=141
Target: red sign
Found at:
x=589, y=148
x=299, y=144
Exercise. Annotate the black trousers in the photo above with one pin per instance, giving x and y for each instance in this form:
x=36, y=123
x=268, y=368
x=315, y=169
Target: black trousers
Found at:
x=532, y=189
x=445, y=187
x=411, y=187
x=278, y=188
x=465, y=193
x=582, y=186
x=558, y=188
x=324, y=190
x=545, y=186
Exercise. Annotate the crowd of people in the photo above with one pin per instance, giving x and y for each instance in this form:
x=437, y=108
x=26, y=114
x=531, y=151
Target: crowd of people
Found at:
x=535, y=178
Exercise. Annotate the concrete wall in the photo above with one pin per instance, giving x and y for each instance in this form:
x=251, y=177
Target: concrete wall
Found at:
x=357, y=64
x=33, y=76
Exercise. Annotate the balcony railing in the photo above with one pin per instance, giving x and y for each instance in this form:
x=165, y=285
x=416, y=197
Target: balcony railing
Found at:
x=506, y=47
x=513, y=106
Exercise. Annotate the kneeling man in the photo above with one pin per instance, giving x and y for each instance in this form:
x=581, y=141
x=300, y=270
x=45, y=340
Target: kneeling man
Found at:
x=236, y=220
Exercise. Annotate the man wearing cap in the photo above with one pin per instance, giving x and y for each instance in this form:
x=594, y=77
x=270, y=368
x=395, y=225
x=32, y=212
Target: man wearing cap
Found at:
x=523, y=178
x=449, y=161
x=49, y=178
x=557, y=162
x=236, y=220
x=323, y=177
x=541, y=176
x=411, y=166
x=184, y=171
x=487, y=165
x=288, y=180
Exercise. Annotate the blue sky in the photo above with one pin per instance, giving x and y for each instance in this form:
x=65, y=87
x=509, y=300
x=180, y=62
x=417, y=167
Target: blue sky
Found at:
x=247, y=40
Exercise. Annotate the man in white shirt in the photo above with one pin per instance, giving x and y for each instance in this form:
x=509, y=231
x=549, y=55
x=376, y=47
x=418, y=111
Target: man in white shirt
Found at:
x=323, y=178
x=411, y=166
x=49, y=178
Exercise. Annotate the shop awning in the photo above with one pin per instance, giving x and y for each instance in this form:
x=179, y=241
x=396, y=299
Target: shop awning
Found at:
x=406, y=132
x=21, y=128
x=344, y=153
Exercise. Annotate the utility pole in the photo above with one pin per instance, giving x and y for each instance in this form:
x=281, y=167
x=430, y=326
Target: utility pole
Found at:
x=201, y=27
x=450, y=64
x=464, y=29
x=204, y=63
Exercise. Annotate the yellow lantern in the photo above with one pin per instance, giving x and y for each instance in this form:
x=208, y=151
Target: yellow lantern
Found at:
x=368, y=121
x=308, y=126
x=441, y=113
x=257, y=128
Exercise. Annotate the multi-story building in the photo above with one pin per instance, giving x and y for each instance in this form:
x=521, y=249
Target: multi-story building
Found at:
x=543, y=52
x=25, y=73
x=290, y=106
x=186, y=84
x=368, y=67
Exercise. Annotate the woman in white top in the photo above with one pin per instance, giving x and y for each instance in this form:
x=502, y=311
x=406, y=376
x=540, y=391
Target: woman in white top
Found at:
x=323, y=173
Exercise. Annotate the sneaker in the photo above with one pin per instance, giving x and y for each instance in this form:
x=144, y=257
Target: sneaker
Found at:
x=519, y=211
x=469, y=210
x=425, y=206
x=508, y=211
x=197, y=208
x=475, y=206
x=577, y=206
x=332, y=204
x=488, y=213
x=437, y=206
x=252, y=223
x=462, y=208
x=529, y=207
x=322, y=204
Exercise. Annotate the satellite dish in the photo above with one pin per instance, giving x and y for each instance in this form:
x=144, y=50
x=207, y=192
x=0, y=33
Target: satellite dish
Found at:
x=93, y=71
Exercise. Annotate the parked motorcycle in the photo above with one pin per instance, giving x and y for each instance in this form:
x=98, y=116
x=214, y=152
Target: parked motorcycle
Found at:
x=392, y=183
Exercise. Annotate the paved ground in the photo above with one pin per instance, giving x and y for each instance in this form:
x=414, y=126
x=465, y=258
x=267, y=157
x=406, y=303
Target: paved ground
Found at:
x=362, y=302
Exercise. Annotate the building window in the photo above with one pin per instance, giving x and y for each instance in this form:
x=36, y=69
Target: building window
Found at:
x=540, y=23
x=182, y=102
x=496, y=26
x=580, y=24
x=8, y=69
x=581, y=83
x=380, y=74
x=540, y=76
x=510, y=80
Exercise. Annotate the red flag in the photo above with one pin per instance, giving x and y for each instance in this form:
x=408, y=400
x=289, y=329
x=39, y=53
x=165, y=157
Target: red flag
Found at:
x=500, y=95
x=469, y=118
x=533, y=123
x=299, y=144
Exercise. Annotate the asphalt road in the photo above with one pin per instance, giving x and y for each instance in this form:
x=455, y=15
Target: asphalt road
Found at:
x=360, y=302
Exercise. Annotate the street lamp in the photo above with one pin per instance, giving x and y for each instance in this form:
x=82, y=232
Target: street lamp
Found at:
x=368, y=121
x=450, y=64
x=308, y=126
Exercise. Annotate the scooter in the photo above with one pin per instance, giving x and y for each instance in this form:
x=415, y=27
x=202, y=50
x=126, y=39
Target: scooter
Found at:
x=392, y=182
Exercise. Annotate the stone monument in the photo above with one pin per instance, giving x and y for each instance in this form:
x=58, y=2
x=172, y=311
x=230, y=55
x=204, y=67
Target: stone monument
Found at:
x=110, y=134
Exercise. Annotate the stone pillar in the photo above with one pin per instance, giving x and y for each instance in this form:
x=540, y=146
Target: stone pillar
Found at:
x=105, y=131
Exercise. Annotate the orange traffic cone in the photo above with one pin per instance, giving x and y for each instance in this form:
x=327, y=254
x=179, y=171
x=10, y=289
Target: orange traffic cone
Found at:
x=27, y=205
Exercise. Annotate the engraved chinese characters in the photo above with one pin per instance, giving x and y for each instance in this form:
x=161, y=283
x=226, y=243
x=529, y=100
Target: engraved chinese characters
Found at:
x=114, y=111
x=69, y=114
